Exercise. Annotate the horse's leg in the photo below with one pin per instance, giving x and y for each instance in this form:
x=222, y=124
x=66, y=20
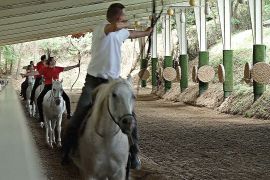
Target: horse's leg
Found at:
x=59, y=128
x=33, y=110
x=47, y=130
x=87, y=177
x=36, y=114
x=53, y=131
x=51, y=134
x=27, y=106
x=120, y=175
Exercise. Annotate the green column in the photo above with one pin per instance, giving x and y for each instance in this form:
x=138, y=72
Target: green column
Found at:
x=154, y=71
x=168, y=63
x=183, y=61
x=258, y=56
x=203, y=60
x=228, y=67
x=144, y=64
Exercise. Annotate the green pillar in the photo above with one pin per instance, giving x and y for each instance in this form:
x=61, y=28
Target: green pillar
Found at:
x=144, y=64
x=183, y=61
x=154, y=71
x=203, y=60
x=168, y=63
x=258, y=56
x=228, y=67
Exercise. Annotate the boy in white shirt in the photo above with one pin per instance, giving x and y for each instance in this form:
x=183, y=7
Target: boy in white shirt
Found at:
x=105, y=63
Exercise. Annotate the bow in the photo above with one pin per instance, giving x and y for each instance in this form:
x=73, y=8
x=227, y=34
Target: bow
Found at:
x=79, y=59
x=154, y=20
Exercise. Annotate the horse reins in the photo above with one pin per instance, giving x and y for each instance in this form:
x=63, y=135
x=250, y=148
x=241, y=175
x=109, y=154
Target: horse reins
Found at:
x=117, y=123
x=122, y=117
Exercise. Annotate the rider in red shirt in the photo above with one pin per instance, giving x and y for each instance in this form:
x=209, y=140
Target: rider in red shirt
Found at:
x=38, y=78
x=24, y=85
x=50, y=73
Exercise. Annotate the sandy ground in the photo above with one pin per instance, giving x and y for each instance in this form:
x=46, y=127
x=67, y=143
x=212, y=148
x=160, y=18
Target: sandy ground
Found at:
x=183, y=142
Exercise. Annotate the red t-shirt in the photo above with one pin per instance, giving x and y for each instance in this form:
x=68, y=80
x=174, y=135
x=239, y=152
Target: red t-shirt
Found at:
x=39, y=68
x=50, y=74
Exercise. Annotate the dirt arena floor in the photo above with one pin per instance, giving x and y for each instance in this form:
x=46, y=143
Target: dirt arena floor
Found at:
x=182, y=142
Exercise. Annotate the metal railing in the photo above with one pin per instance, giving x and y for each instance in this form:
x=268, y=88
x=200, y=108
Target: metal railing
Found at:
x=19, y=158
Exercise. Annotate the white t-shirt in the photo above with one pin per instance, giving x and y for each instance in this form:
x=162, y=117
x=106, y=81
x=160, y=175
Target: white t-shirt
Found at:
x=106, y=52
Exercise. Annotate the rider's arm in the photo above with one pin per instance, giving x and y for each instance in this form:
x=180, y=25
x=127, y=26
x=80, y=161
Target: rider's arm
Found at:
x=137, y=34
x=31, y=73
x=115, y=27
x=71, y=67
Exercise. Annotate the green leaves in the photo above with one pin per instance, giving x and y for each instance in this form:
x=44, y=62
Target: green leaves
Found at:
x=9, y=54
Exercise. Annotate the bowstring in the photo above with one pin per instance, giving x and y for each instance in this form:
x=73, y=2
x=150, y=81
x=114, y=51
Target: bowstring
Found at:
x=79, y=59
x=154, y=20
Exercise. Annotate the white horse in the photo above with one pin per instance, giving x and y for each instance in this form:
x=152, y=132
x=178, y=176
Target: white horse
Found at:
x=104, y=146
x=37, y=93
x=53, y=109
x=30, y=108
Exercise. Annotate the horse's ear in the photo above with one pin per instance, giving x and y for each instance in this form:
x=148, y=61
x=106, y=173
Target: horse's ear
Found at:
x=110, y=78
x=129, y=79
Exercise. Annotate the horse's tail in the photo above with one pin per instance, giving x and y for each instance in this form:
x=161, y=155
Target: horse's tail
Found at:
x=128, y=167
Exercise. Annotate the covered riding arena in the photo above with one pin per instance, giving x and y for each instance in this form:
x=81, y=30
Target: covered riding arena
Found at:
x=177, y=140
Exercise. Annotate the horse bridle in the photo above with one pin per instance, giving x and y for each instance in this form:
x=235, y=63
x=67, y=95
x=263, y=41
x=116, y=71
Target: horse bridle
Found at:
x=52, y=95
x=121, y=118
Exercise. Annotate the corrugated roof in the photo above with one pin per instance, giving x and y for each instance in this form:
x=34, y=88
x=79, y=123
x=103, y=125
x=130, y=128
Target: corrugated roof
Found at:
x=28, y=20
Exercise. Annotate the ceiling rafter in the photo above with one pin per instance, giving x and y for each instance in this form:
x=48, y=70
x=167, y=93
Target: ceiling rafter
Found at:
x=28, y=20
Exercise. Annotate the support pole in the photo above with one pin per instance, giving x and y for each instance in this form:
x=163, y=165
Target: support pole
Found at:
x=144, y=62
x=224, y=9
x=154, y=58
x=168, y=58
x=183, y=60
x=200, y=17
x=168, y=63
x=228, y=66
x=258, y=56
x=203, y=60
x=182, y=39
x=259, y=49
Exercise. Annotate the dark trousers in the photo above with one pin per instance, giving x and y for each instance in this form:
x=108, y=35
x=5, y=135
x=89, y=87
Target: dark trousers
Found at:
x=37, y=83
x=84, y=104
x=24, y=86
x=40, y=100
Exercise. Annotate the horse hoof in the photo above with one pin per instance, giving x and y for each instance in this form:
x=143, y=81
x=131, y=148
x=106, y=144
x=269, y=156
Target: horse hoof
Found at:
x=59, y=144
x=50, y=145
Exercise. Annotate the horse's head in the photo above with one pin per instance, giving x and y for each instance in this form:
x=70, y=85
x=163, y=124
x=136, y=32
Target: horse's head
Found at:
x=57, y=91
x=121, y=104
x=31, y=80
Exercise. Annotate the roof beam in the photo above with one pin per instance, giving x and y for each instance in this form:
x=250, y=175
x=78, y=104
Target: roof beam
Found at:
x=39, y=25
x=45, y=35
x=27, y=20
x=28, y=32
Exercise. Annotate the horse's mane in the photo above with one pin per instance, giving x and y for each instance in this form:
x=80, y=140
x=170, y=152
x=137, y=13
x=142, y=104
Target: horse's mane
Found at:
x=101, y=92
x=100, y=95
